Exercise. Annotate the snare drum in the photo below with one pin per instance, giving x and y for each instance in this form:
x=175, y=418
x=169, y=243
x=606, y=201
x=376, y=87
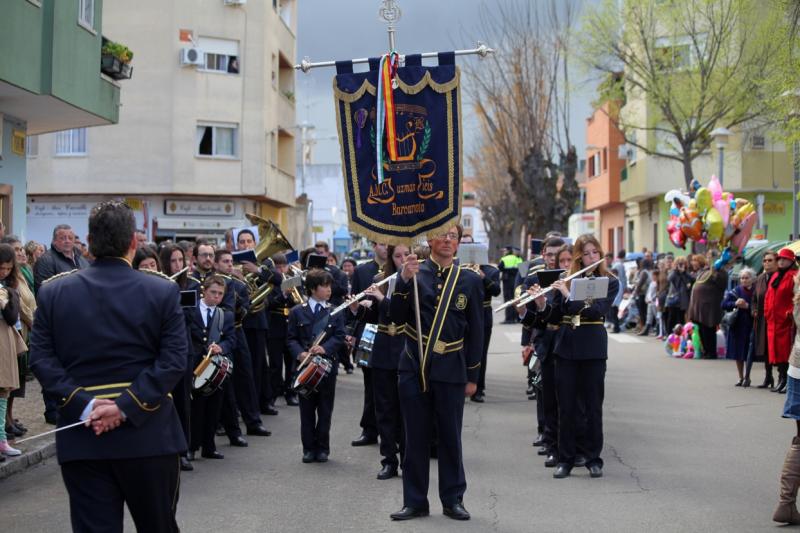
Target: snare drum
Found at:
x=212, y=375
x=364, y=350
x=310, y=376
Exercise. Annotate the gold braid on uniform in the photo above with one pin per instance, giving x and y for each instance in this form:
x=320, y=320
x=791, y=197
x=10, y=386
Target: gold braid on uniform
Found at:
x=59, y=276
x=157, y=274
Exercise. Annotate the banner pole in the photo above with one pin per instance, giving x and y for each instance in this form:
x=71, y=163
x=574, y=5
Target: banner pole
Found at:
x=420, y=348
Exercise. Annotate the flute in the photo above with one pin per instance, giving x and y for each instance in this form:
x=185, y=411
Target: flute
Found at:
x=361, y=295
x=525, y=298
x=176, y=275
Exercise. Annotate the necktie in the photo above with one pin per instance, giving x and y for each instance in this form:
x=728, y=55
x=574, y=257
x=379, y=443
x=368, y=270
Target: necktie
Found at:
x=209, y=314
x=317, y=309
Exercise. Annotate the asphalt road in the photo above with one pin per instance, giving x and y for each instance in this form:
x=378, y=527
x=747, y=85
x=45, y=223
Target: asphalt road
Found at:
x=684, y=451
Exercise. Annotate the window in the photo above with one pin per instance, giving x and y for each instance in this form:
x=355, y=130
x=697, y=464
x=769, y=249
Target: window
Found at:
x=593, y=168
x=32, y=146
x=605, y=159
x=274, y=71
x=632, y=149
x=216, y=140
x=222, y=55
x=757, y=142
x=86, y=13
x=630, y=236
x=71, y=142
x=466, y=221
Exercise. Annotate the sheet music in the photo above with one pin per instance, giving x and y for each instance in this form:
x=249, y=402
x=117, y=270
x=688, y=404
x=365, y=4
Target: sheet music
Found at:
x=588, y=289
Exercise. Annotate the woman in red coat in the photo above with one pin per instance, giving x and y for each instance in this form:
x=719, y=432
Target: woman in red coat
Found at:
x=778, y=309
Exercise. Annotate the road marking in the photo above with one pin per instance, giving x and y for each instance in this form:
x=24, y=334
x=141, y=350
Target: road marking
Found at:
x=624, y=338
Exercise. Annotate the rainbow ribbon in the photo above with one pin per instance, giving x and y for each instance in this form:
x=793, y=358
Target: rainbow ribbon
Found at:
x=385, y=116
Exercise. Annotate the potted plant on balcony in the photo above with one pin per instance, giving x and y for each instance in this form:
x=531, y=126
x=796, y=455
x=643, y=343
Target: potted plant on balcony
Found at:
x=115, y=59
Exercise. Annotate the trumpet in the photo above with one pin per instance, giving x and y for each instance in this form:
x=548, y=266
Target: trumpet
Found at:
x=526, y=298
x=294, y=293
x=361, y=295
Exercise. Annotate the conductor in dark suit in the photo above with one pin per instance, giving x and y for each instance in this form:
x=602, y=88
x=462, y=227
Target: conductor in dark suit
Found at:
x=110, y=343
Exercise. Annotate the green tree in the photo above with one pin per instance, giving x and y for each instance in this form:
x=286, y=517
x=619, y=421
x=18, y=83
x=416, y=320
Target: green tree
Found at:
x=690, y=66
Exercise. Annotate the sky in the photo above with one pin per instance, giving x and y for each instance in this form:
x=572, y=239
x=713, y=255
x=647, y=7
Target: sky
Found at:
x=346, y=29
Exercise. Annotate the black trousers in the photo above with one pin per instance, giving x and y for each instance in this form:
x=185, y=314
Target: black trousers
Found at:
x=206, y=411
x=98, y=491
x=181, y=397
x=613, y=317
x=487, y=336
x=641, y=306
x=674, y=317
x=369, y=426
x=257, y=343
x=549, y=402
x=316, y=413
x=240, y=392
x=575, y=380
x=387, y=415
x=442, y=405
x=708, y=338
x=280, y=369
x=508, y=294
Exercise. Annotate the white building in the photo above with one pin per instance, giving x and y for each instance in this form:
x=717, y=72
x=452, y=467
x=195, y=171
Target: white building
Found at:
x=206, y=129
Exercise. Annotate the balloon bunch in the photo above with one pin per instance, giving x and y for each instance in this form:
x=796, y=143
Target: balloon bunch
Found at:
x=708, y=215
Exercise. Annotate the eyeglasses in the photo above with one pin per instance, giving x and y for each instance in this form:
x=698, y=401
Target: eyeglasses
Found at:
x=205, y=255
x=453, y=236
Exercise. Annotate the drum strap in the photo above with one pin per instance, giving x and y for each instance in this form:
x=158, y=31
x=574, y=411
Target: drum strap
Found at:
x=321, y=323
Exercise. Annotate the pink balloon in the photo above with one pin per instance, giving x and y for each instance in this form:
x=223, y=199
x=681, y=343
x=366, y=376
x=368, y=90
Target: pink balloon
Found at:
x=724, y=208
x=715, y=188
x=742, y=235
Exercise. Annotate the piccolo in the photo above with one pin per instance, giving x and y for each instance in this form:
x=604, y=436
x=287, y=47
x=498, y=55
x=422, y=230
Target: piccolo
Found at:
x=525, y=298
x=361, y=295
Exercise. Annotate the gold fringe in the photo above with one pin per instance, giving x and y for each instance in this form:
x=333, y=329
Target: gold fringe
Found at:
x=426, y=81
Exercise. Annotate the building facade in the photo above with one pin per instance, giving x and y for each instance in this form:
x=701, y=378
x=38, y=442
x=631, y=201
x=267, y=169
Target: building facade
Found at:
x=471, y=217
x=50, y=80
x=206, y=130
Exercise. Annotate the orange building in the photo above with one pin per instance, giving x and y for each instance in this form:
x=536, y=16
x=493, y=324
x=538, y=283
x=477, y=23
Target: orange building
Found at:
x=604, y=170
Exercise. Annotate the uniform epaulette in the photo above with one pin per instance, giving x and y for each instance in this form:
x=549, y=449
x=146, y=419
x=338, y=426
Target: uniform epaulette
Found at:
x=59, y=276
x=223, y=276
x=157, y=274
x=194, y=279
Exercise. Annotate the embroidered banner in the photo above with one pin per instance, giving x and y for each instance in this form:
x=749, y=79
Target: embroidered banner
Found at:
x=421, y=189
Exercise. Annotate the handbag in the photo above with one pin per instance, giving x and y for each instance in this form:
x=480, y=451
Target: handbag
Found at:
x=729, y=318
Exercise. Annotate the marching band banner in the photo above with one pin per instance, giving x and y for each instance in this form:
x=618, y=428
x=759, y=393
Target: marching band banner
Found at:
x=411, y=185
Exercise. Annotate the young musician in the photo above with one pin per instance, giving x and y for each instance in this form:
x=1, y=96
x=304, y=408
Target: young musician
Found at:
x=211, y=329
x=306, y=323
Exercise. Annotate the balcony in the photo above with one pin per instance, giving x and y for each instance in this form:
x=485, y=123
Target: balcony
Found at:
x=280, y=186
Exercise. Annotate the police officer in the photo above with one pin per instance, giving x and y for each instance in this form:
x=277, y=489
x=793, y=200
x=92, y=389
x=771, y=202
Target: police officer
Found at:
x=130, y=454
x=581, y=350
x=432, y=385
x=508, y=272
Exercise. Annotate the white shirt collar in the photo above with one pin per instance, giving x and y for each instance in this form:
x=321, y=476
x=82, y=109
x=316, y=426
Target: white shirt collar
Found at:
x=312, y=304
x=204, y=310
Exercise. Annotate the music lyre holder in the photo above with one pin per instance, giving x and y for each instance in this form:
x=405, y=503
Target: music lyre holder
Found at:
x=588, y=289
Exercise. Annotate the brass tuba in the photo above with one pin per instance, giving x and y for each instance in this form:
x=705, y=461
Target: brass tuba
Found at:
x=271, y=240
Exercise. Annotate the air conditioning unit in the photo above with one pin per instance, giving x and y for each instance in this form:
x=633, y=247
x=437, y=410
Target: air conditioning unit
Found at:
x=234, y=2
x=192, y=57
x=624, y=151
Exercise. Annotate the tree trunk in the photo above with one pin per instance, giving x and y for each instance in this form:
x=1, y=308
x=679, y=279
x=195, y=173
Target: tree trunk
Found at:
x=688, y=173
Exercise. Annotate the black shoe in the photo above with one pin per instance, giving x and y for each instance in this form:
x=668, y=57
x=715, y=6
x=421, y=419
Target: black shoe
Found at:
x=544, y=450
x=781, y=386
x=580, y=460
x=186, y=466
x=269, y=410
x=363, y=440
x=238, y=441
x=746, y=382
x=739, y=383
x=539, y=440
x=14, y=431
x=308, y=457
x=769, y=382
x=456, y=512
x=551, y=461
x=477, y=397
x=616, y=330
x=562, y=470
x=190, y=456
x=322, y=457
x=644, y=332
x=51, y=418
x=387, y=472
x=530, y=391
x=212, y=455
x=595, y=470
x=292, y=400
x=259, y=431
x=407, y=513
x=220, y=432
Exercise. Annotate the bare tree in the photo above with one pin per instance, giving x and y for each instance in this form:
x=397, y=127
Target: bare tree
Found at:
x=692, y=66
x=521, y=99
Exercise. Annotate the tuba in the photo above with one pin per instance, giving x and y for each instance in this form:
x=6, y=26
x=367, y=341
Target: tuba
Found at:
x=271, y=240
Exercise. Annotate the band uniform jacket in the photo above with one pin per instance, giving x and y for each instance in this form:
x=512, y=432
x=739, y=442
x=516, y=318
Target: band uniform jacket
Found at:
x=461, y=336
x=491, y=288
x=543, y=334
x=390, y=337
x=278, y=307
x=363, y=277
x=200, y=335
x=589, y=340
x=109, y=331
x=302, y=332
x=229, y=300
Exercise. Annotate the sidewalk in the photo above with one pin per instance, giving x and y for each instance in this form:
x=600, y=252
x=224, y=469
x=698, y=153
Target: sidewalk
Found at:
x=30, y=411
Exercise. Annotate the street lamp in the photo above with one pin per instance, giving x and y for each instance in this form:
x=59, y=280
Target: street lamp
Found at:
x=794, y=99
x=720, y=135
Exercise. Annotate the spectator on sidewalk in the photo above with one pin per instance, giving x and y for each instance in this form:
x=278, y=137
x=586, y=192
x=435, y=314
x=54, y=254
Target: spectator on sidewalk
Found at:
x=705, y=305
x=640, y=285
x=618, y=269
x=758, y=349
x=740, y=328
x=11, y=344
x=778, y=314
x=679, y=286
x=61, y=257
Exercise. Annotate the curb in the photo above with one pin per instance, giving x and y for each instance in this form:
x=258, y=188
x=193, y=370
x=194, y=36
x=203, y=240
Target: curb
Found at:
x=32, y=457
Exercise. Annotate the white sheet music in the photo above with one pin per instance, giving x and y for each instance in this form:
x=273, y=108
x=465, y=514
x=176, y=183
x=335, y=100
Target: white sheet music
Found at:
x=588, y=289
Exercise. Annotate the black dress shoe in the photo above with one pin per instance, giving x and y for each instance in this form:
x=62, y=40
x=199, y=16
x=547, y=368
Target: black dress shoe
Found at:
x=746, y=382
x=551, y=461
x=259, y=431
x=190, y=456
x=220, y=432
x=562, y=470
x=212, y=455
x=407, y=513
x=238, y=441
x=186, y=466
x=595, y=470
x=738, y=383
x=292, y=400
x=308, y=457
x=387, y=472
x=477, y=397
x=269, y=410
x=544, y=450
x=456, y=512
x=322, y=457
x=363, y=440
x=580, y=460
x=539, y=440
